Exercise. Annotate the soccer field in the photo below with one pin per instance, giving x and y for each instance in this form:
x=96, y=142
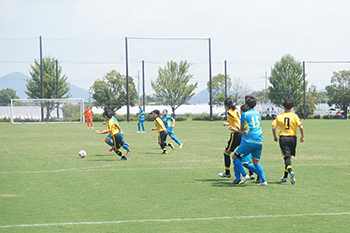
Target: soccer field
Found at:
x=46, y=187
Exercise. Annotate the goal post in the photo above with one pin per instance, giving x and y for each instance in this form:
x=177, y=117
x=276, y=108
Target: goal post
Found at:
x=55, y=110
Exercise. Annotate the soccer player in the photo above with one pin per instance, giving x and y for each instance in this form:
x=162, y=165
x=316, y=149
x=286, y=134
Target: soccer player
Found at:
x=233, y=116
x=141, y=121
x=169, y=123
x=251, y=142
x=287, y=124
x=89, y=114
x=109, y=139
x=114, y=129
x=161, y=130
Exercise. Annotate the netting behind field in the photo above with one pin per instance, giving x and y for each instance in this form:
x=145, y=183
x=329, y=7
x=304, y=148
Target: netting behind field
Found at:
x=44, y=110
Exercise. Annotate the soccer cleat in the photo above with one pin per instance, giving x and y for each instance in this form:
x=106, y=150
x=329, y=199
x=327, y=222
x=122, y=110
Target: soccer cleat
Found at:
x=171, y=145
x=252, y=177
x=258, y=180
x=128, y=152
x=110, y=150
x=292, y=178
x=263, y=183
x=122, y=158
x=138, y=132
x=225, y=175
x=283, y=179
x=181, y=146
x=244, y=179
x=92, y=127
x=143, y=132
x=235, y=182
x=164, y=152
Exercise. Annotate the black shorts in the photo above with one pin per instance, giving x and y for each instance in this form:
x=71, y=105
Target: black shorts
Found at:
x=162, y=136
x=288, y=145
x=233, y=143
x=117, y=140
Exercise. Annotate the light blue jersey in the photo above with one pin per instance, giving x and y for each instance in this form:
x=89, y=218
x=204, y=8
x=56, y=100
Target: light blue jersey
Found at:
x=168, y=122
x=251, y=119
x=142, y=114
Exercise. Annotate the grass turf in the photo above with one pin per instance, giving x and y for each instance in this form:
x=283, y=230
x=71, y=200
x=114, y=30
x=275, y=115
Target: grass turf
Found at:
x=44, y=181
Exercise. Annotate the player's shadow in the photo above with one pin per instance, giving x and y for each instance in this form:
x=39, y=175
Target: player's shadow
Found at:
x=218, y=182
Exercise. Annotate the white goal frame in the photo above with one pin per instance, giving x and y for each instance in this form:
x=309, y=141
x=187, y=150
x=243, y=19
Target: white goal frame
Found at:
x=81, y=109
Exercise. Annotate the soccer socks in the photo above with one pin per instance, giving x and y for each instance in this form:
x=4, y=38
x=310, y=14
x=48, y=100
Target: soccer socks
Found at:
x=139, y=126
x=176, y=140
x=260, y=171
x=238, y=165
x=126, y=147
x=143, y=128
x=110, y=143
x=237, y=173
x=227, y=161
x=250, y=167
x=92, y=125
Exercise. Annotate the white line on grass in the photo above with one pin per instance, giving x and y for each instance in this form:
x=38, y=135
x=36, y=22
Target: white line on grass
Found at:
x=100, y=168
x=174, y=219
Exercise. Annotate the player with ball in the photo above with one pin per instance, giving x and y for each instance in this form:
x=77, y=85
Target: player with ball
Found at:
x=114, y=129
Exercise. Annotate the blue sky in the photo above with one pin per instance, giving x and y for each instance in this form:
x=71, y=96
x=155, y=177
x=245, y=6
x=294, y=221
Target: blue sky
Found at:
x=87, y=37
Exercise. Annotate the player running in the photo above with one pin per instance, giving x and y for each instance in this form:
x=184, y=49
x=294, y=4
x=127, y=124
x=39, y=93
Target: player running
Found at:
x=114, y=129
x=89, y=114
x=141, y=121
x=161, y=130
x=251, y=140
x=233, y=116
x=287, y=124
x=169, y=123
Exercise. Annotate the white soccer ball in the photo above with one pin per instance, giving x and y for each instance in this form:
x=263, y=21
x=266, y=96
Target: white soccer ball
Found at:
x=82, y=153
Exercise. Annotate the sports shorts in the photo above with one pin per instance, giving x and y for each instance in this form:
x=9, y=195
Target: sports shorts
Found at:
x=233, y=142
x=288, y=145
x=246, y=148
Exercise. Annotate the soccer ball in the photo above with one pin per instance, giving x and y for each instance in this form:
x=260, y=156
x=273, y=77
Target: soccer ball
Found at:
x=82, y=153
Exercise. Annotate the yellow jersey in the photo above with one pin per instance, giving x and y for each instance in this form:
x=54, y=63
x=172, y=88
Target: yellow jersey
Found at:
x=234, y=116
x=112, y=127
x=159, y=123
x=287, y=123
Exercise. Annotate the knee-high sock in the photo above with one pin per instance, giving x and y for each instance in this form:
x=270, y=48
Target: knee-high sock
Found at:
x=92, y=125
x=126, y=147
x=238, y=164
x=110, y=143
x=227, y=161
x=237, y=173
x=260, y=171
x=139, y=126
x=143, y=127
x=176, y=140
x=250, y=167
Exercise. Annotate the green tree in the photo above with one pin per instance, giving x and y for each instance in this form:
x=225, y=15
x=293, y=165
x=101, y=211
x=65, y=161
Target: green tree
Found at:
x=286, y=81
x=262, y=95
x=110, y=92
x=172, y=87
x=339, y=90
x=312, y=98
x=49, y=83
x=6, y=95
x=218, y=88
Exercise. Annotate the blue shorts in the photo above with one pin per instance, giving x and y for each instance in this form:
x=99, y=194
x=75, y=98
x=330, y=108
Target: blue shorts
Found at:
x=109, y=136
x=246, y=159
x=170, y=133
x=141, y=122
x=247, y=148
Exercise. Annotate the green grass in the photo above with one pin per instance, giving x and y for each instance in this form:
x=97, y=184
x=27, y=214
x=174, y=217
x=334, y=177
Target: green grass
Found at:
x=43, y=181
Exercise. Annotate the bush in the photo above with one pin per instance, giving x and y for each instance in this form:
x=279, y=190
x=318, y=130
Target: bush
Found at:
x=180, y=118
x=5, y=119
x=317, y=116
x=336, y=116
x=206, y=117
x=99, y=117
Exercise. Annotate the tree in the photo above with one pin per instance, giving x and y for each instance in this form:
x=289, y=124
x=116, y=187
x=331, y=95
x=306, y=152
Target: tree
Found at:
x=171, y=86
x=6, y=95
x=49, y=83
x=218, y=88
x=262, y=96
x=239, y=90
x=339, y=90
x=110, y=92
x=312, y=98
x=287, y=81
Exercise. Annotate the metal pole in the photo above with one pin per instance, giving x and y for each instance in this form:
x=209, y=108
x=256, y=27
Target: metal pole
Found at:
x=143, y=85
x=41, y=80
x=127, y=80
x=138, y=82
x=266, y=80
x=225, y=86
x=58, y=114
x=211, y=87
x=304, y=90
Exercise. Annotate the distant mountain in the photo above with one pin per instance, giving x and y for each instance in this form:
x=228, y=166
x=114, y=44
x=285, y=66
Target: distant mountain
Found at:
x=200, y=98
x=16, y=81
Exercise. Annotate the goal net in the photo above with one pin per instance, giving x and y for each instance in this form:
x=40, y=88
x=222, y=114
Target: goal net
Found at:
x=46, y=110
